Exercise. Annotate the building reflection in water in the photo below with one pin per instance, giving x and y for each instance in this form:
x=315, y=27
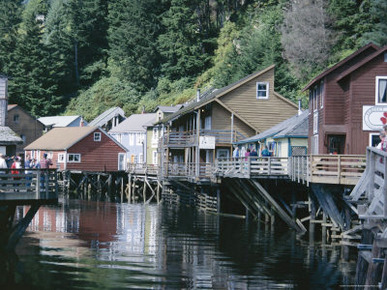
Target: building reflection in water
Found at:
x=178, y=248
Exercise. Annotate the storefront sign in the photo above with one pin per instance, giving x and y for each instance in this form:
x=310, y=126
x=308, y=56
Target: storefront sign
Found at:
x=374, y=117
x=207, y=142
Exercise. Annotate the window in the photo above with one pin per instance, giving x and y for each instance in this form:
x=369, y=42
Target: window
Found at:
x=374, y=139
x=155, y=133
x=207, y=123
x=381, y=90
x=315, y=122
x=262, y=90
x=74, y=157
x=154, y=157
x=131, y=139
x=314, y=144
x=139, y=138
x=322, y=94
x=16, y=119
x=97, y=136
x=23, y=138
x=121, y=161
x=61, y=158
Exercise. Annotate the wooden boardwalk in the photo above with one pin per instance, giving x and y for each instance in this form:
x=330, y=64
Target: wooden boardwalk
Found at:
x=32, y=187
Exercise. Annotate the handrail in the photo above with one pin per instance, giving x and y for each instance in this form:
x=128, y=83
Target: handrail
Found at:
x=28, y=184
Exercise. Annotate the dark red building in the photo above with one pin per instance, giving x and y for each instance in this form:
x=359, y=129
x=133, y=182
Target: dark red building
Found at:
x=347, y=103
x=80, y=148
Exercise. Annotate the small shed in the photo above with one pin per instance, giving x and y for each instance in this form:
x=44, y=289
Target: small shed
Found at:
x=80, y=148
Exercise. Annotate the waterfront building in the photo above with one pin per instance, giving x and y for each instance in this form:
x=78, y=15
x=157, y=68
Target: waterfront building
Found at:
x=286, y=139
x=80, y=148
x=206, y=128
x=131, y=133
x=23, y=124
x=348, y=104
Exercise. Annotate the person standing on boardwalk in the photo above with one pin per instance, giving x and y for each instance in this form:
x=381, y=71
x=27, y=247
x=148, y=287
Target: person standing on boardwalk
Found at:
x=45, y=162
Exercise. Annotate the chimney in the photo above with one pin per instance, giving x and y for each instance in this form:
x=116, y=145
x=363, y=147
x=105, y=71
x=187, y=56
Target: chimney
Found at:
x=197, y=95
x=3, y=99
x=299, y=107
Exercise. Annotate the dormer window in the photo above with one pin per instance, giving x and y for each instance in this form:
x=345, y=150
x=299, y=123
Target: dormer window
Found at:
x=381, y=90
x=262, y=90
x=97, y=136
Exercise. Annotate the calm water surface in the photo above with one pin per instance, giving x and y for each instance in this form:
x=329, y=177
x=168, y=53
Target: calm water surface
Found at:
x=102, y=245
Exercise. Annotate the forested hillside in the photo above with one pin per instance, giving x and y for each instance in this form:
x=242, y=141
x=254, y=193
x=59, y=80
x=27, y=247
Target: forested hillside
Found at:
x=85, y=56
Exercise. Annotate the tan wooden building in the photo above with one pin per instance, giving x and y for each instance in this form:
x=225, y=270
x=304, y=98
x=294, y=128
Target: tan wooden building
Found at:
x=205, y=129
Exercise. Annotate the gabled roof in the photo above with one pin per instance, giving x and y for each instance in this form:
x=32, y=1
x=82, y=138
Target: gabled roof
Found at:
x=13, y=106
x=107, y=116
x=168, y=109
x=361, y=63
x=60, y=138
x=369, y=46
x=294, y=127
x=59, y=121
x=134, y=123
x=9, y=137
x=217, y=93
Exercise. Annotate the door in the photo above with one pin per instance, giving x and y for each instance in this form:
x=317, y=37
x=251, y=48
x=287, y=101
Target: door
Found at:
x=336, y=144
x=121, y=161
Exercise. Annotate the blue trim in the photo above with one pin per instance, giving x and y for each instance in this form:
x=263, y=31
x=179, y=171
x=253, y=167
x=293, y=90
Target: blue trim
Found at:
x=289, y=147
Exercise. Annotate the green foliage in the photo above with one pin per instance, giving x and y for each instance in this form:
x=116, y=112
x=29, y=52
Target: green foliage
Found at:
x=106, y=93
x=134, y=27
x=378, y=31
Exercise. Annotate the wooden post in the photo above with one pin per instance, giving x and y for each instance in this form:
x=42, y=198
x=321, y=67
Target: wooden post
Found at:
x=144, y=191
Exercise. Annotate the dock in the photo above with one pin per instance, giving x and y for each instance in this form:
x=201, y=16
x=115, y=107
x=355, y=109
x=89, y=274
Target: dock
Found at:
x=33, y=187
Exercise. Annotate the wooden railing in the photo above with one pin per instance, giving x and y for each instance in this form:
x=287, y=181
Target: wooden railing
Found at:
x=372, y=187
x=189, y=138
x=329, y=169
x=249, y=166
x=28, y=184
x=143, y=168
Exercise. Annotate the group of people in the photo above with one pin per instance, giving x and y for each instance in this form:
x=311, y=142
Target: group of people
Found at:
x=264, y=152
x=15, y=162
x=383, y=140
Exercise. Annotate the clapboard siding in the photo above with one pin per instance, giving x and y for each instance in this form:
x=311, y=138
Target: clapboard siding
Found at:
x=344, y=99
x=96, y=156
x=23, y=124
x=221, y=120
x=262, y=114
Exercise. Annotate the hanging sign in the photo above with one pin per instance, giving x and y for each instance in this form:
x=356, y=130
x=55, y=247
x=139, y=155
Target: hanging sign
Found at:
x=374, y=117
x=207, y=142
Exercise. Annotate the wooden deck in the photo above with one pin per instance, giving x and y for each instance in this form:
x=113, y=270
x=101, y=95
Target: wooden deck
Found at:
x=326, y=169
x=28, y=186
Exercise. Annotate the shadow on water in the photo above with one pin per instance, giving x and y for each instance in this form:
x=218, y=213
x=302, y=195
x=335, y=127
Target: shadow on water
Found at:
x=102, y=245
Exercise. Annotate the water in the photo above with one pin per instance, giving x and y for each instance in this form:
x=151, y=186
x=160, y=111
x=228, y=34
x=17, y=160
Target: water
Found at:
x=102, y=245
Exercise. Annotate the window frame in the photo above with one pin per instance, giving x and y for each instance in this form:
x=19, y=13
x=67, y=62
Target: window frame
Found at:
x=258, y=90
x=61, y=158
x=378, y=78
x=97, y=136
x=74, y=155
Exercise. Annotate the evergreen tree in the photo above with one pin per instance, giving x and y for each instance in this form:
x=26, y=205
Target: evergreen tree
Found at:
x=181, y=45
x=10, y=17
x=133, y=32
x=33, y=73
x=378, y=31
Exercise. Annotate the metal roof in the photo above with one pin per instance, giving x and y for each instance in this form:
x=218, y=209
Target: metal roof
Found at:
x=106, y=116
x=9, y=137
x=59, y=121
x=134, y=123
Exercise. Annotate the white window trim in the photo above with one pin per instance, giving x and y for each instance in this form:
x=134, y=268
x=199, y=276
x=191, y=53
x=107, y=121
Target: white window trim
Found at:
x=131, y=139
x=267, y=90
x=377, y=90
x=97, y=136
x=315, y=122
x=61, y=158
x=73, y=154
x=322, y=94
